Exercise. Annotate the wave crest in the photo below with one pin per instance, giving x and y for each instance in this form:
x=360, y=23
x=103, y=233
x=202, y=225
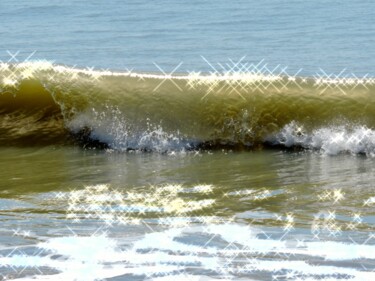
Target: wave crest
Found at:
x=56, y=104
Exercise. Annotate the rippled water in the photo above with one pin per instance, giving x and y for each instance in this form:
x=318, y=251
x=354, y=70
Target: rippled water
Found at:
x=116, y=34
x=254, y=215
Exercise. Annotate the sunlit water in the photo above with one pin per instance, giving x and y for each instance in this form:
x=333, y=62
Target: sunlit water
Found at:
x=68, y=213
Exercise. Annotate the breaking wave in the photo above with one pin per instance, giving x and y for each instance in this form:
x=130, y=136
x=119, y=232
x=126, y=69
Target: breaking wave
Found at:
x=42, y=104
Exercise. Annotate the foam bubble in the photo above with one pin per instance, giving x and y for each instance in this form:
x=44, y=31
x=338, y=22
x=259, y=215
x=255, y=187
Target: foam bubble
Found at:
x=112, y=128
x=330, y=140
x=165, y=254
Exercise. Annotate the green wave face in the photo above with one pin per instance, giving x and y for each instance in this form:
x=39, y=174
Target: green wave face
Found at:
x=42, y=103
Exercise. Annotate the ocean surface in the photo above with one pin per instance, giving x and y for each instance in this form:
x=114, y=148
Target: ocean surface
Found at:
x=196, y=140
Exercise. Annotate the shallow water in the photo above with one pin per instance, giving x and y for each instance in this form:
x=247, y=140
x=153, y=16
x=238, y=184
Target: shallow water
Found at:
x=254, y=215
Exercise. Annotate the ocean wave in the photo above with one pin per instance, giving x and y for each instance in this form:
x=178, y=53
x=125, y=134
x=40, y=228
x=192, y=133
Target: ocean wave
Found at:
x=43, y=103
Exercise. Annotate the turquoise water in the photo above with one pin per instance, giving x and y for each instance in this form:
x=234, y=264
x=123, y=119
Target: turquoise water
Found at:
x=196, y=140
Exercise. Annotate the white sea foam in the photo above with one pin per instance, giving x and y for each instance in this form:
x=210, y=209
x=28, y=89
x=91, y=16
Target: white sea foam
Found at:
x=329, y=140
x=162, y=255
x=115, y=131
x=112, y=128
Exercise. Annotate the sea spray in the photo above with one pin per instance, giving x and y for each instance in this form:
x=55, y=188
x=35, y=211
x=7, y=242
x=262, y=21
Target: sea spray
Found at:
x=53, y=104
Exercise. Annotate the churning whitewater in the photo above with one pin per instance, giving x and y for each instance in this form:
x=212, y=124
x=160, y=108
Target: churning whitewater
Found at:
x=42, y=104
